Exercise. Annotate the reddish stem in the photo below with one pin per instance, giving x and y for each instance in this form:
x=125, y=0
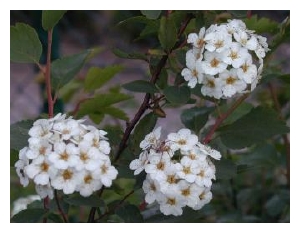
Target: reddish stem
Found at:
x=48, y=76
x=59, y=207
x=222, y=117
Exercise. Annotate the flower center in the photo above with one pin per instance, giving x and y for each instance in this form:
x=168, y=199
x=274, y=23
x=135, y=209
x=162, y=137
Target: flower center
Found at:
x=160, y=166
x=201, y=174
x=202, y=196
x=171, y=201
x=187, y=170
x=67, y=174
x=233, y=55
x=44, y=167
x=211, y=84
x=195, y=73
x=186, y=192
x=219, y=44
x=104, y=169
x=181, y=142
x=192, y=156
x=42, y=150
x=245, y=67
x=88, y=179
x=153, y=187
x=171, y=179
x=64, y=156
x=84, y=156
x=214, y=62
x=230, y=80
x=95, y=142
x=65, y=131
x=200, y=43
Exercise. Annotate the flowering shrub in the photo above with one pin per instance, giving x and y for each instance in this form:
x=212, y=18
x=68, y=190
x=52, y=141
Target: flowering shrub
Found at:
x=223, y=59
x=226, y=161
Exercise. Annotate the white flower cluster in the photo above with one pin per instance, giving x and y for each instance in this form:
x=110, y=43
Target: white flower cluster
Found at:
x=64, y=154
x=224, y=59
x=179, y=171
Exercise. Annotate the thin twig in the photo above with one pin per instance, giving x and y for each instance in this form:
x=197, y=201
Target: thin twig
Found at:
x=220, y=119
x=116, y=206
x=60, y=210
x=91, y=217
x=48, y=76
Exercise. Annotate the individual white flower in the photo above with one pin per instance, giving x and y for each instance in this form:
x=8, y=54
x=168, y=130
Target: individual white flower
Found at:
x=106, y=173
x=157, y=165
x=190, y=192
x=38, y=148
x=183, y=140
x=66, y=180
x=152, y=189
x=44, y=191
x=41, y=129
x=89, y=157
x=248, y=71
x=187, y=169
x=151, y=139
x=197, y=40
x=248, y=41
x=231, y=84
x=40, y=171
x=235, y=55
x=138, y=165
x=64, y=155
x=20, y=166
x=171, y=203
x=204, y=198
x=193, y=74
x=235, y=25
x=87, y=183
x=96, y=138
x=168, y=183
x=195, y=154
x=211, y=87
x=217, y=41
x=205, y=175
x=209, y=151
x=213, y=63
x=67, y=128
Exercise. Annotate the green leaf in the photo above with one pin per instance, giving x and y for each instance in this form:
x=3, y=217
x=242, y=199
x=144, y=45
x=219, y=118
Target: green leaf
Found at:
x=141, y=86
x=97, y=77
x=238, y=13
x=195, y=118
x=177, y=95
x=261, y=25
x=55, y=218
x=129, y=213
x=150, y=28
x=129, y=55
x=277, y=203
x=25, y=45
x=145, y=126
x=167, y=33
x=225, y=169
x=78, y=200
x=14, y=157
x=151, y=14
x=258, y=125
x=162, y=81
x=115, y=112
x=19, y=134
x=29, y=216
x=239, y=112
x=64, y=70
x=50, y=18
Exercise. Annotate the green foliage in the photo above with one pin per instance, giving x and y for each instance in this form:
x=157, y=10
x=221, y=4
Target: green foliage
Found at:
x=29, y=216
x=258, y=125
x=177, y=95
x=167, y=33
x=91, y=201
x=64, y=70
x=25, y=45
x=129, y=213
x=129, y=55
x=225, y=169
x=261, y=25
x=195, y=118
x=50, y=18
x=19, y=134
x=100, y=105
x=141, y=86
x=151, y=14
x=97, y=77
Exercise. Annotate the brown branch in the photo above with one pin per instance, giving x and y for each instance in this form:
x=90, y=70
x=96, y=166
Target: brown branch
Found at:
x=116, y=206
x=60, y=210
x=145, y=104
x=91, y=217
x=48, y=76
x=284, y=136
x=220, y=119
